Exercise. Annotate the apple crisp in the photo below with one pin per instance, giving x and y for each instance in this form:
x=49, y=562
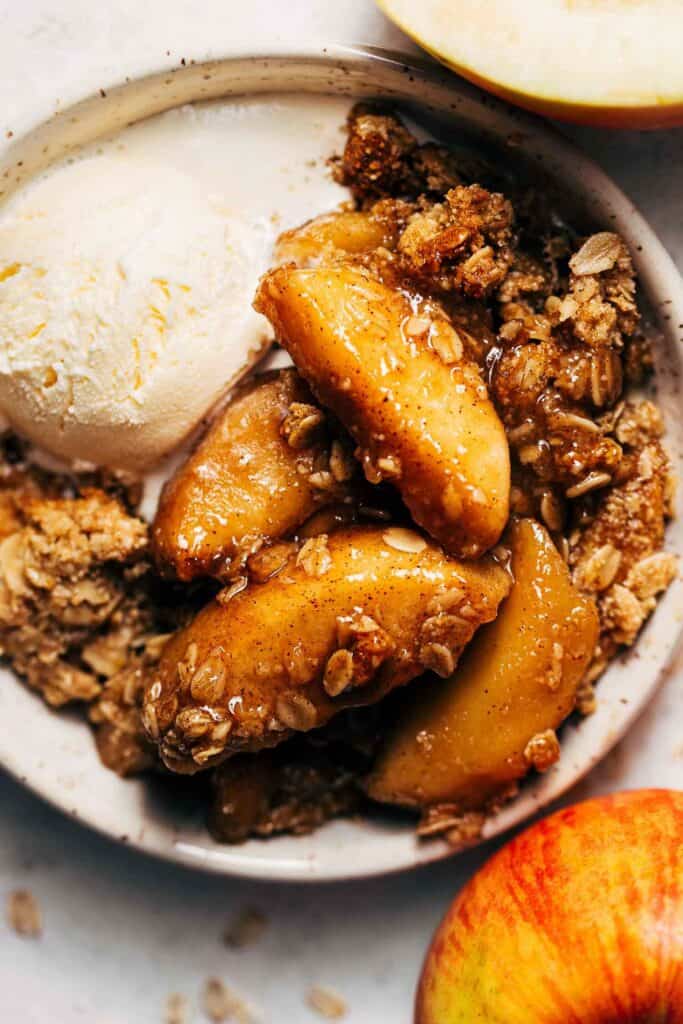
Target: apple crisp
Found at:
x=470, y=401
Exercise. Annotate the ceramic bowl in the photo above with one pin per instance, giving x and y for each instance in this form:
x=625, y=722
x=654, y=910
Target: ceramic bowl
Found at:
x=54, y=754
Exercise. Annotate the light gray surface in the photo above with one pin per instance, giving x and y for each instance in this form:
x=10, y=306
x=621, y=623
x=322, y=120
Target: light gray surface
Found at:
x=121, y=931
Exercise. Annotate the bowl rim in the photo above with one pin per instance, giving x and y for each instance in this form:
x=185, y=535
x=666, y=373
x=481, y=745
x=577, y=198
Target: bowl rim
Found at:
x=440, y=91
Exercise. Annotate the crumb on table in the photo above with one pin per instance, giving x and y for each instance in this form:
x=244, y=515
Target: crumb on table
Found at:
x=24, y=915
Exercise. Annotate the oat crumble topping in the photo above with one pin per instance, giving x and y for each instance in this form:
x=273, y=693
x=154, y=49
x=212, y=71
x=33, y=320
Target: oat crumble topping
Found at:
x=543, y=750
x=63, y=580
x=314, y=556
x=459, y=829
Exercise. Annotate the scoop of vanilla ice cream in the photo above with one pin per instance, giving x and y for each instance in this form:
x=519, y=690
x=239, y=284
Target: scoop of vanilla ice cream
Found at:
x=125, y=307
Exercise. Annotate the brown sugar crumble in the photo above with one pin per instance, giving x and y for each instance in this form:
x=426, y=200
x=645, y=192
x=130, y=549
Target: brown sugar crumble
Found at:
x=543, y=750
x=459, y=829
x=297, y=786
x=63, y=577
x=23, y=914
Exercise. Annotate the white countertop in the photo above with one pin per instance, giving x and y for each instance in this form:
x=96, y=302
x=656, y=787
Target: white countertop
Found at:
x=121, y=931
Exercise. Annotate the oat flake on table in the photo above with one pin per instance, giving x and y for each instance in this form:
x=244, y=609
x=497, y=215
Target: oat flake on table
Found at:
x=23, y=914
x=326, y=1003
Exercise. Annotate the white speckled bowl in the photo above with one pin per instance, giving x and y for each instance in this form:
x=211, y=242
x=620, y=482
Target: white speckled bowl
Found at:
x=54, y=754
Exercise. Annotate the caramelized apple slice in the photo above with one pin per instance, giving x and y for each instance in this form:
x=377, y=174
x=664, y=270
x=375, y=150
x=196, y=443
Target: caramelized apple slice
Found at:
x=466, y=740
x=265, y=465
x=347, y=618
x=353, y=232
x=422, y=420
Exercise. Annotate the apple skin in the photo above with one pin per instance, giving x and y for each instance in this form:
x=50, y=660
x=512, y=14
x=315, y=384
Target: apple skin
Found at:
x=646, y=117
x=578, y=920
x=643, y=118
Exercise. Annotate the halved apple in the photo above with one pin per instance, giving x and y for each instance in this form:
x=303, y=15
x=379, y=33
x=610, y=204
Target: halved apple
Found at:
x=608, y=62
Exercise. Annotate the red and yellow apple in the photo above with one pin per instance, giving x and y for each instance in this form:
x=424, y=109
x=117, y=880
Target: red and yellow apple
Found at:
x=578, y=920
x=609, y=62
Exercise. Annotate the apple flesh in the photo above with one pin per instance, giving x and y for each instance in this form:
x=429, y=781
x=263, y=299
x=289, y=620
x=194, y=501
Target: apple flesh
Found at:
x=578, y=920
x=607, y=62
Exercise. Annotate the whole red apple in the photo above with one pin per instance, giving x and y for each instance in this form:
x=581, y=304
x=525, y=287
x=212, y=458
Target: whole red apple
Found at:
x=578, y=920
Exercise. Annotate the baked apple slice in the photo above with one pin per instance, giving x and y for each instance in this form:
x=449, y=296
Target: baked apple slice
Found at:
x=469, y=739
x=351, y=232
x=417, y=408
x=267, y=463
x=347, y=618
